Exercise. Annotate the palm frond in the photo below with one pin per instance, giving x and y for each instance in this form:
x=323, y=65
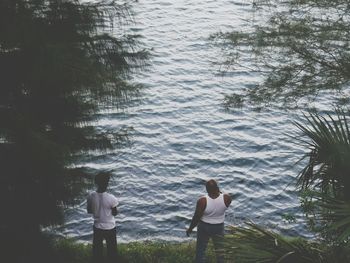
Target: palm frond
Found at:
x=334, y=214
x=329, y=155
x=253, y=243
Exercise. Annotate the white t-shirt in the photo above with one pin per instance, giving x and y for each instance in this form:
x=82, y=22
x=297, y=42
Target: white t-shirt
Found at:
x=101, y=205
x=214, y=212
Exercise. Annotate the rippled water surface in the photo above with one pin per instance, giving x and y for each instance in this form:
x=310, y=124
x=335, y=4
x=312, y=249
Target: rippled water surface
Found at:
x=181, y=134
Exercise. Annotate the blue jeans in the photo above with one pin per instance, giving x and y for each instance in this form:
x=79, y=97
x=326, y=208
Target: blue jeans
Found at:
x=206, y=231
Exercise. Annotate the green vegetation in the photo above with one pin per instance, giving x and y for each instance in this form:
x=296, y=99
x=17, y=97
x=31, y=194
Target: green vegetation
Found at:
x=146, y=252
x=61, y=62
x=256, y=244
x=325, y=179
x=245, y=244
x=324, y=186
x=301, y=50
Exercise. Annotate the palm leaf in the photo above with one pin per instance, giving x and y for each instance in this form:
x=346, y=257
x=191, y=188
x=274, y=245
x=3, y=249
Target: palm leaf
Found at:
x=331, y=214
x=329, y=155
x=336, y=213
x=253, y=243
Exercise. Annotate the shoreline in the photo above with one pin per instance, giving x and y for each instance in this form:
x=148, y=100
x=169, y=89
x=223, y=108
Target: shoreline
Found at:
x=70, y=251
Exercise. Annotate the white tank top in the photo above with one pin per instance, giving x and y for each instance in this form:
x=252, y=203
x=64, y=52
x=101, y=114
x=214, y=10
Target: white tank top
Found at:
x=214, y=212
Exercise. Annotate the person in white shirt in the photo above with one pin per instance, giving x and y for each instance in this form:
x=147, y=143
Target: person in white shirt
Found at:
x=209, y=216
x=103, y=207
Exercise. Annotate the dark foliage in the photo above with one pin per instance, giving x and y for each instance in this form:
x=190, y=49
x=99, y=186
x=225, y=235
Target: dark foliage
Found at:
x=325, y=180
x=59, y=64
x=253, y=243
x=301, y=50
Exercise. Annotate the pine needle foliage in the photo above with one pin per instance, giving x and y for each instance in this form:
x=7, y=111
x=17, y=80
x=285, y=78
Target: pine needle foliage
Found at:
x=302, y=50
x=61, y=61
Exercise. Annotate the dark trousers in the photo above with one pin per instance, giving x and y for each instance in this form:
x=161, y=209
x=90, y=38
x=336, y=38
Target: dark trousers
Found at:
x=206, y=231
x=97, y=246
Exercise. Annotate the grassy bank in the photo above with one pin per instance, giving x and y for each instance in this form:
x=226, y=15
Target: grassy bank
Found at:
x=68, y=251
x=254, y=244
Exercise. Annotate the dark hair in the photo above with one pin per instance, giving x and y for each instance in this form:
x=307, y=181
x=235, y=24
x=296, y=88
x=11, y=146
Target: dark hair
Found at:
x=102, y=179
x=212, y=186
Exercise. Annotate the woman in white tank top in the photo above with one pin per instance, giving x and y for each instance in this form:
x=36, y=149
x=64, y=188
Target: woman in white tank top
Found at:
x=209, y=217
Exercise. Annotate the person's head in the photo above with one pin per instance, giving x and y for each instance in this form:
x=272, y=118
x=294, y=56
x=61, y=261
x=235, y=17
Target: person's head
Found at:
x=212, y=187
x=101, y=180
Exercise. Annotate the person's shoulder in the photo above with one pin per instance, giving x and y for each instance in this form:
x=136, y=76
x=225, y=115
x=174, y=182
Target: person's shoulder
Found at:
x=202, y=200
x=227, y=196
x=91, y=193
x=111, y=196
x=112, y=200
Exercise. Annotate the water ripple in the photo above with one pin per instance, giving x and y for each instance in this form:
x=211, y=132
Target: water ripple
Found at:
x=181, y=135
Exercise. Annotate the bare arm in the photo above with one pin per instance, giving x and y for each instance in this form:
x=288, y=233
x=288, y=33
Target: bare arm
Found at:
x=200, y=207
x=89, y=207
x=114, y=211
x=227, y=200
